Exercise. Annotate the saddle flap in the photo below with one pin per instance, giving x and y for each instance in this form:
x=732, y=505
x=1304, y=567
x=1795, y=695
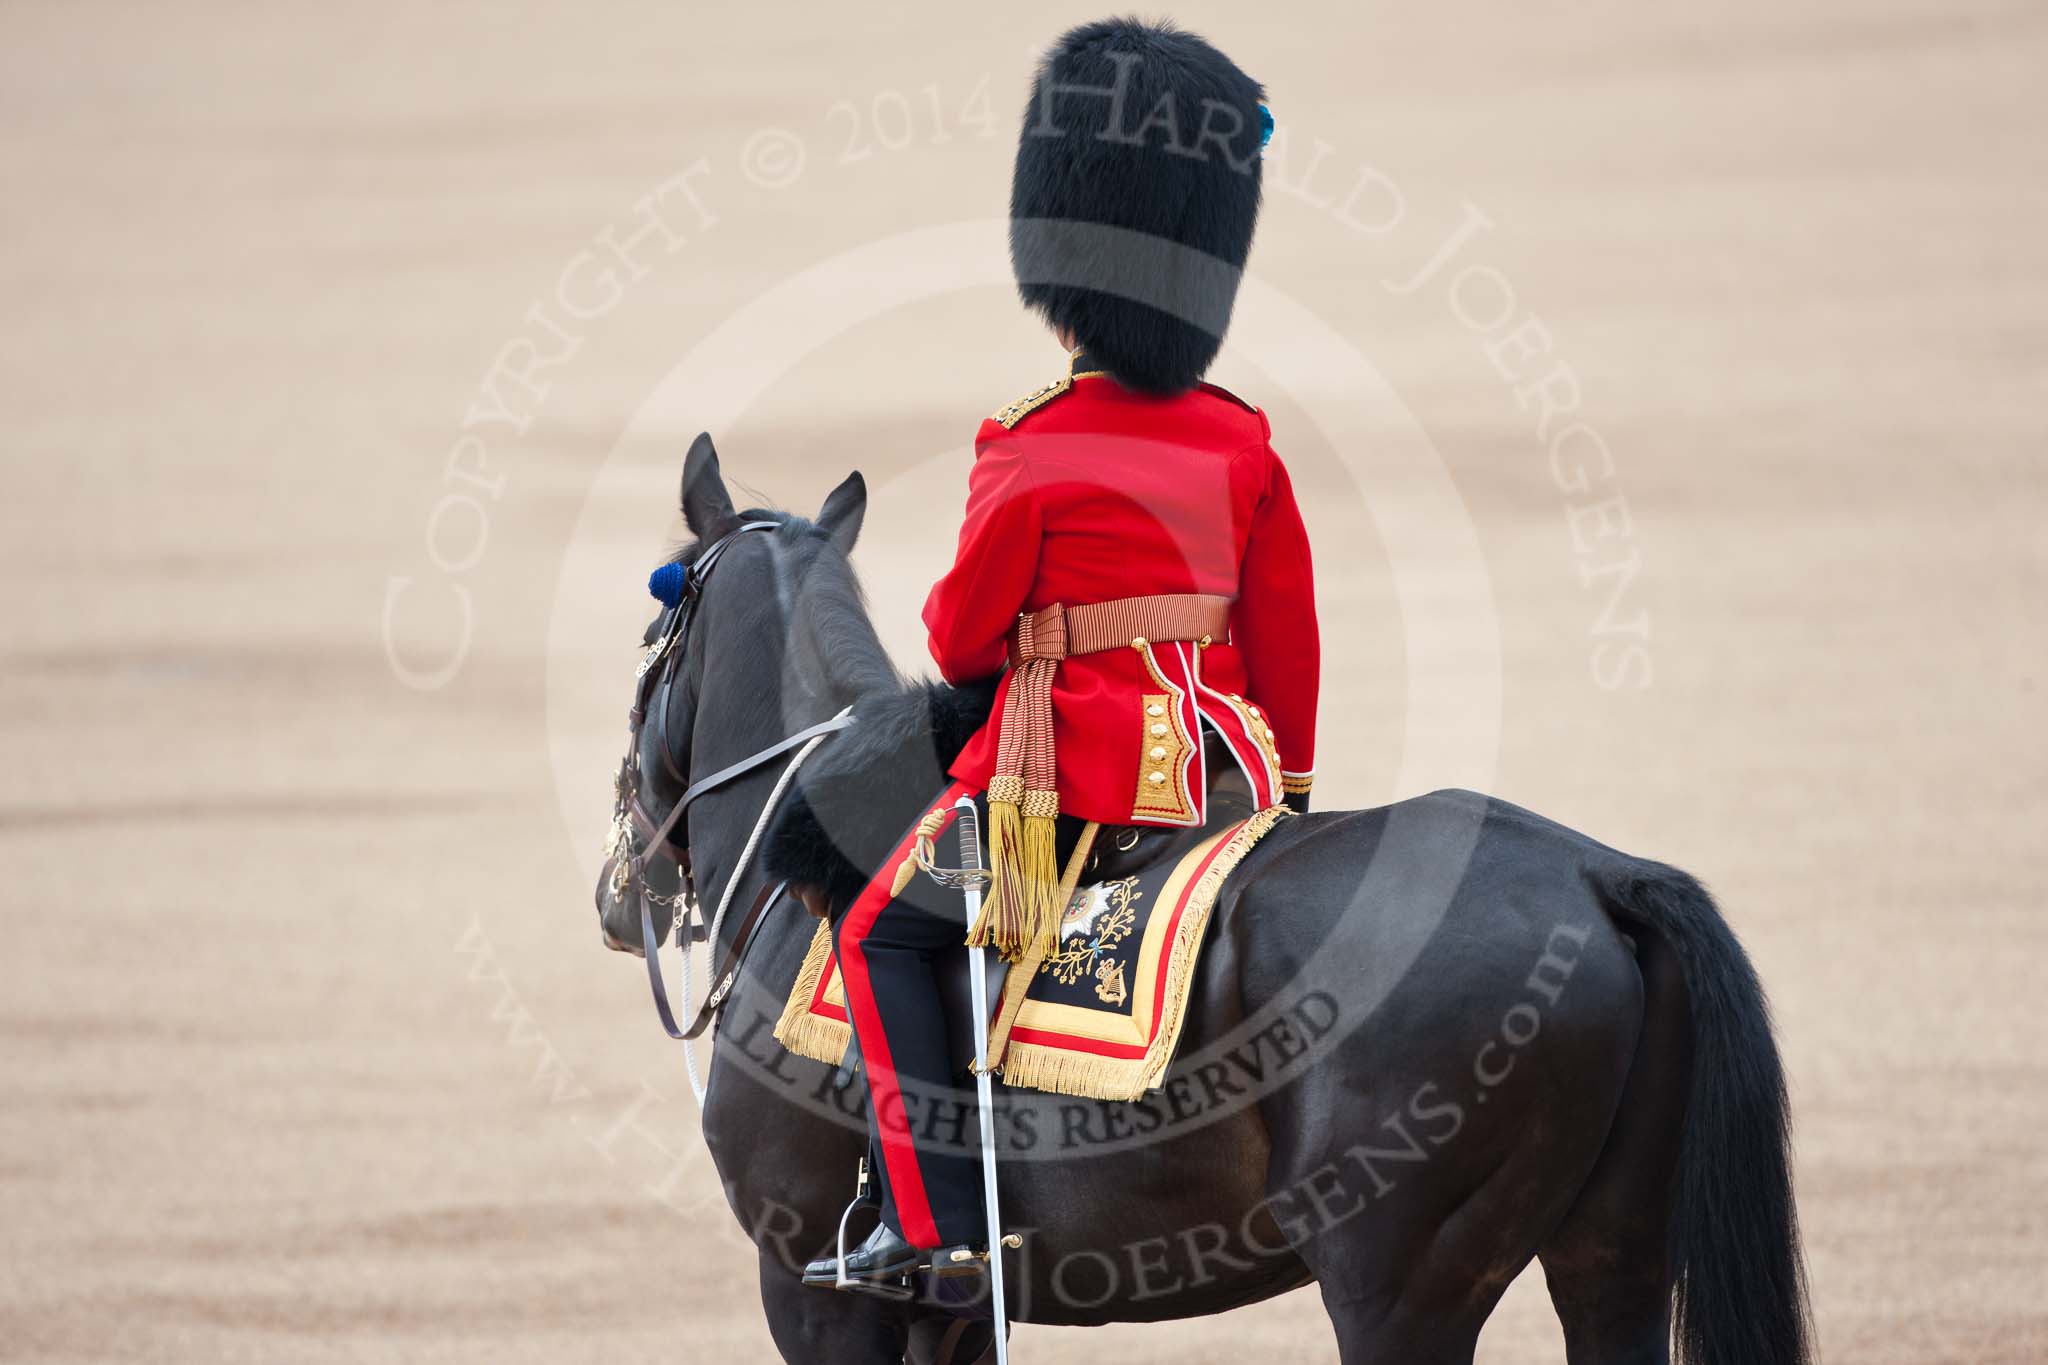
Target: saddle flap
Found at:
x=1101, y=1013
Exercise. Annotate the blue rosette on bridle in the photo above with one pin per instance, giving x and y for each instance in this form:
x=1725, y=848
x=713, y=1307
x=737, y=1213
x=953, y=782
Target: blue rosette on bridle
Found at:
x=666, y=584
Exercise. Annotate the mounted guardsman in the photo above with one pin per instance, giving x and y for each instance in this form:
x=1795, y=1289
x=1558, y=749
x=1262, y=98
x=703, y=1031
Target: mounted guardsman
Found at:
x=1132, y=556
x=1115, y=519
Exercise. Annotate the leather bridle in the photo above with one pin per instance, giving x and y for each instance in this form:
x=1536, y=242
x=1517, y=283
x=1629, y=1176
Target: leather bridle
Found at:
x=625, y=870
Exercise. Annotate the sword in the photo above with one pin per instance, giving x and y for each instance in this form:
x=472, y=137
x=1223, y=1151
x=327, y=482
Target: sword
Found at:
x=984, y=1088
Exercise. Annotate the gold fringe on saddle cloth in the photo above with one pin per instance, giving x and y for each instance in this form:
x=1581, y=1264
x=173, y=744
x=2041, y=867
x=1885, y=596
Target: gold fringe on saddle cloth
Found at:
x=1021, y=912
x=816, y=1036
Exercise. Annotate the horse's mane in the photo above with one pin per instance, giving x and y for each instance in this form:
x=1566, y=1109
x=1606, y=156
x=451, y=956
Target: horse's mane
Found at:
x=835, y=609
x=860, y=792
x=855, y=796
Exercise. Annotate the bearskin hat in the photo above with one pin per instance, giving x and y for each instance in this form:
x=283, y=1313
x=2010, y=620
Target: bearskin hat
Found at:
x=1135, y=195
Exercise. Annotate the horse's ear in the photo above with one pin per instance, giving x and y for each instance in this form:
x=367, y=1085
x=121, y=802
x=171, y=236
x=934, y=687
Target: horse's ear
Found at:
x=706, y=504
x=844, y=508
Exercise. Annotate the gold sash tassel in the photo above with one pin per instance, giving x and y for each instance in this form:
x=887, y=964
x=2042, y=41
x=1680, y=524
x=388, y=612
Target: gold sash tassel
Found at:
x=1022, y=911
x=1001, y=922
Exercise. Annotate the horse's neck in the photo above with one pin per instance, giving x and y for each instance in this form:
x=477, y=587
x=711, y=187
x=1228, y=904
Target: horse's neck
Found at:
x=842, y=660
x=853, y=664
x=848, y=654
x=720, y=842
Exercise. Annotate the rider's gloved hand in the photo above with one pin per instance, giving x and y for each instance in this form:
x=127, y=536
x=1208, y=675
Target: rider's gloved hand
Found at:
x=1296, y=801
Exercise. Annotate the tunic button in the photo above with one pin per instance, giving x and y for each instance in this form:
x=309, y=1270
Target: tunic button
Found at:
x=1155, y=709
x=1269, y=732
x=1158, y=753
x=1158, y=729
x=1253, y=709
x=1155, y=778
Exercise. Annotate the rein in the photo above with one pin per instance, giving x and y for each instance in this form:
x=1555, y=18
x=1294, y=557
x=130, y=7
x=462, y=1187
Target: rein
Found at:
x=626, y=871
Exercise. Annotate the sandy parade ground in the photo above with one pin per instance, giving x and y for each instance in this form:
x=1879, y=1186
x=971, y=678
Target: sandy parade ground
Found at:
x=352, y=352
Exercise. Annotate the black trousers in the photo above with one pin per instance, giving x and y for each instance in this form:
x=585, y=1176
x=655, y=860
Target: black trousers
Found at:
x=921, y=1110
x=921, y=1115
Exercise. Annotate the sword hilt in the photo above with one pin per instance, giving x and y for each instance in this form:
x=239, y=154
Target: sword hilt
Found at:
x=970, y=875
x=970, y=833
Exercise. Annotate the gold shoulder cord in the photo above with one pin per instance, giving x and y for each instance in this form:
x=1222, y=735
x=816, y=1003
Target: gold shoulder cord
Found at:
x=1008, y=415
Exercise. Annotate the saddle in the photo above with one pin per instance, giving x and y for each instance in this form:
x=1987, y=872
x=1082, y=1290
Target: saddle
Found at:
x=1116, y=854
x=1099, y=1013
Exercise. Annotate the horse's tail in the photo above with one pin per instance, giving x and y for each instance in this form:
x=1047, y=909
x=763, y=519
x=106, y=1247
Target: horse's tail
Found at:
x=1740, y=1296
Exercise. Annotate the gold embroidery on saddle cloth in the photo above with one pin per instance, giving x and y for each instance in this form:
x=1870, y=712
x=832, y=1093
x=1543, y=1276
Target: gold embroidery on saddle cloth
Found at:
x=1097, y=921
x=1109, y=983
x=1037, y=1066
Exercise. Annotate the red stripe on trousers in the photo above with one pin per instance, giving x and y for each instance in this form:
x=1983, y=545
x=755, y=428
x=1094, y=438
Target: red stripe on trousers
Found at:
x=899, y=1153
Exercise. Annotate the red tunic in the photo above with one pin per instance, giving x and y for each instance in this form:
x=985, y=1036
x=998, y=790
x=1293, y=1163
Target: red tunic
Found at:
x=1086, y=491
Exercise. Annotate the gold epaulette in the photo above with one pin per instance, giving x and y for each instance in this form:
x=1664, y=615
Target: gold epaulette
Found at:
x=1009, y=414
x=1079, y=366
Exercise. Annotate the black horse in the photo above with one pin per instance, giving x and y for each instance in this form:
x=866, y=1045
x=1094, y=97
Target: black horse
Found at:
x=1428, y=1043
